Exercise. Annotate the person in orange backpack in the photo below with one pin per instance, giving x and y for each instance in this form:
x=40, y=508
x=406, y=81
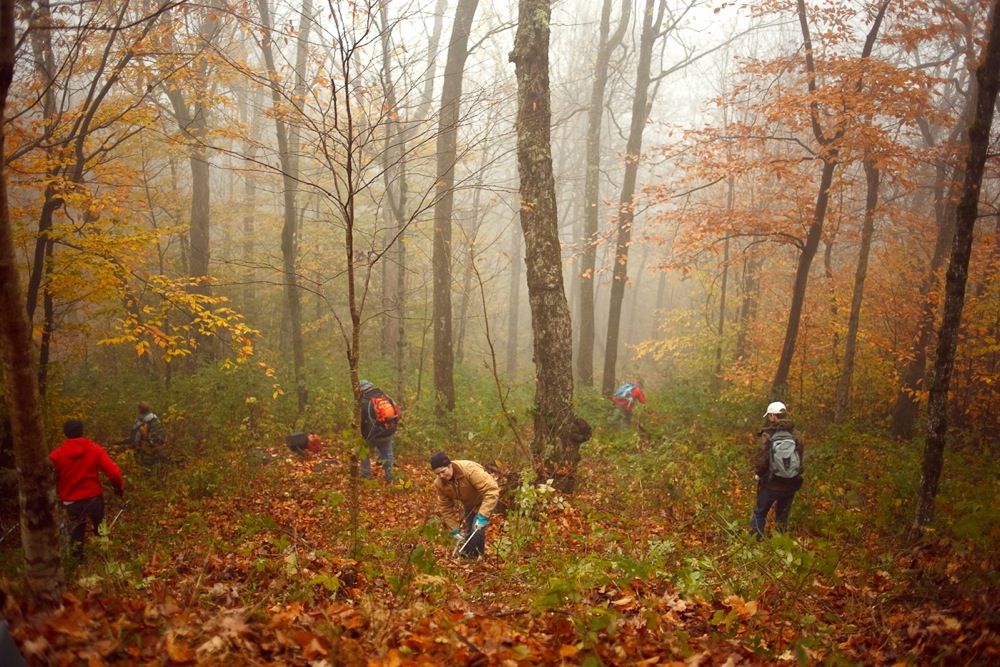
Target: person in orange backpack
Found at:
x=379, y=421
x=78, y=463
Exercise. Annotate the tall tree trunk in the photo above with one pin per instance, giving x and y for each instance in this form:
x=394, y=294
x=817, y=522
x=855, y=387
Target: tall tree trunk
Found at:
x=872, y=178
x=447, y=154
x=192, y=120
x=626, y=208
x=592, y=189
x=393, y=182
x=558, y=431
x=201, y=198
x=427, y=97
x=946, y=195
x=36, y=496
x=988, y=83
x=514, y=299
x=828, y=155
x=288, y=149
x=748, y=304
x=250, y=213
x=40, y=33
x=723, y=293
x=48, y=327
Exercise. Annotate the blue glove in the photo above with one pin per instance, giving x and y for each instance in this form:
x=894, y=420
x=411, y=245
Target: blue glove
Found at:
x=481, y=521
x=457, y=535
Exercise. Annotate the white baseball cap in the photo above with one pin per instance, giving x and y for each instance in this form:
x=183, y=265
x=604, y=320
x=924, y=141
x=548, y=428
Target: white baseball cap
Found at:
x=775, y=408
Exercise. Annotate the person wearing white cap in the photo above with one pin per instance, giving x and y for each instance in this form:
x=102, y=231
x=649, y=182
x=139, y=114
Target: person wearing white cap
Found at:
x=778, y=468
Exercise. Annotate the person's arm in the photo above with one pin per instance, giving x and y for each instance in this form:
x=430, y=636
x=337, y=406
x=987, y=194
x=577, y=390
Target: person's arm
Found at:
x=762, y=459
x=139, y=432
x=487, y=487
x=366, y=420
x=639, y=395
x=110, y=469
x=446, y=508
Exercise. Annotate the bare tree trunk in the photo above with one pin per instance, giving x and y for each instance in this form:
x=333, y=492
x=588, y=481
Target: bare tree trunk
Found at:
x=988, y=83
x=513, y=325
x=626, y=211
x=41, y=46
x=393, y=181
x=748, y=305
x=36, y=497
x=829, y=157
x=558, y=431
x=48, y=326
x=592, y=189
x=447, y=154
x=250, y=202
x=723, y=293
x=288, y=149
x=904, y=415
x=873, y=179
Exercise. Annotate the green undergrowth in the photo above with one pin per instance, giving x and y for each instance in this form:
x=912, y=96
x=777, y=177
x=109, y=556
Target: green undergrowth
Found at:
x=661, y=509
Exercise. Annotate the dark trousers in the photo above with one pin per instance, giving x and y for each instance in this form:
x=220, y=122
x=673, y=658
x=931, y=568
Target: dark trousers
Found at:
x=477, y=545
x=782, y=501
x=79, y=512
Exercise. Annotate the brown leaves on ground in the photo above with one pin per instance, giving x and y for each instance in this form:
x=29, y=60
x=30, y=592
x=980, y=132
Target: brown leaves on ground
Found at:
x=264, y=577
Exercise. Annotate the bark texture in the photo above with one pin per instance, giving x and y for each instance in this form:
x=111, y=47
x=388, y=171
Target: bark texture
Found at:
x=558, y=431
x=36, y=496
x=626, y=211
x=988, y=82
x=592, y=189
x=447, y=154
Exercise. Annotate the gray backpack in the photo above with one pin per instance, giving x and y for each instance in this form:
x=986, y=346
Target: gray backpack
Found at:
x=785, y=461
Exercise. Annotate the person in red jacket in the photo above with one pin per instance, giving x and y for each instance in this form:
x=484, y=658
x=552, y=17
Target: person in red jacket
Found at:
x=78, y=463
x=625, y=398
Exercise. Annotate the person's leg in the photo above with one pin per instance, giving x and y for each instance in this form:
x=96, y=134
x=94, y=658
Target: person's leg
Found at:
x=477, y=544
x=366, y=465
x=77, y=527
x=782, y=508
x=758, y=521
x=80, y=512
x=95, y=510
x=385, y=458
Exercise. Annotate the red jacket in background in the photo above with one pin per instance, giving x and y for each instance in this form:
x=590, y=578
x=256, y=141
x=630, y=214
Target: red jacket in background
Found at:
x=627, y=403
x=78, y=462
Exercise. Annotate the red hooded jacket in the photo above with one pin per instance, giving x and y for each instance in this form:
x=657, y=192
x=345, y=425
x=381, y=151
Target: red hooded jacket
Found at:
x=78, y=462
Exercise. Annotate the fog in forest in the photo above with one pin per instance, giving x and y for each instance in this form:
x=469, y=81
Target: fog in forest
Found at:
x=309, y=179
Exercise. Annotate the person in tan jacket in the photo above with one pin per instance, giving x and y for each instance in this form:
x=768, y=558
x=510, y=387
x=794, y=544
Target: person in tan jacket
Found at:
x=467, y=496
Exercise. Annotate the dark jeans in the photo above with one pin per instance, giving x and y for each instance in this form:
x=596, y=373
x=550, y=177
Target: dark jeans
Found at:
x=79, y=511
x=383, y=450
x=477, y=545
x=782, y=501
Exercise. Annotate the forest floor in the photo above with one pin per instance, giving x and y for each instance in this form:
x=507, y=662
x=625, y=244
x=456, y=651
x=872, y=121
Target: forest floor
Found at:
x=254, y=566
